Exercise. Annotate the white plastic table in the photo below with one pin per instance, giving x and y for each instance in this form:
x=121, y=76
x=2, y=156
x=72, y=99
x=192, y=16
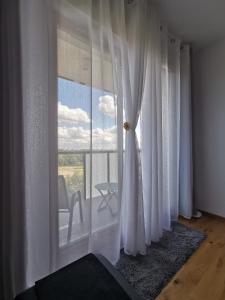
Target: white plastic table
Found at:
x=110, y=189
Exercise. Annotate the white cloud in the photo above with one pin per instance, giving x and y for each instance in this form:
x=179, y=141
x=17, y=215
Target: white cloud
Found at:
x=75, y=138
x=107, y=105
x=72, y=115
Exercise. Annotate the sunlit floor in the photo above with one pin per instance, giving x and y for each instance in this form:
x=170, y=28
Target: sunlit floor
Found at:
x=202, y=277
x=95, y=217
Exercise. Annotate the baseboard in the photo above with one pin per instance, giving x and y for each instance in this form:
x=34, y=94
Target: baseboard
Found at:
x=211, y=214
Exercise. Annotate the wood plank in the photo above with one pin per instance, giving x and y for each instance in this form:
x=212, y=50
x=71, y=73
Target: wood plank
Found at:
x=202, y=277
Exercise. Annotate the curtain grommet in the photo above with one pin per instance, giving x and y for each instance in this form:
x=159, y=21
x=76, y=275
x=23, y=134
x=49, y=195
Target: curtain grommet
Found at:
x=126, y=126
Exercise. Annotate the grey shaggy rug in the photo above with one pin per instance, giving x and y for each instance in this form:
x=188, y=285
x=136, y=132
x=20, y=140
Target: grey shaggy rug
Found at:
x=149, y=274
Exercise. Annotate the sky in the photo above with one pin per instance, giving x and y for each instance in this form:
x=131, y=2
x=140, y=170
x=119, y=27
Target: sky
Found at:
x=74, y=117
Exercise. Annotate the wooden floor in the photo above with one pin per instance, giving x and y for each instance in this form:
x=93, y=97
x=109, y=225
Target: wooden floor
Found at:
x=202, y=277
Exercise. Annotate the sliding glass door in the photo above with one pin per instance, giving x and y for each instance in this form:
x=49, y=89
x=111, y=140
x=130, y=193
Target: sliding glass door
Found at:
x=88, y=191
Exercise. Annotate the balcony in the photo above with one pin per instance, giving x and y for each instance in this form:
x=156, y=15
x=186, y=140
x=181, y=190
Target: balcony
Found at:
x=100, y=212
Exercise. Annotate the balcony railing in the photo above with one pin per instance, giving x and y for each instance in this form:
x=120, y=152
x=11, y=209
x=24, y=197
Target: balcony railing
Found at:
x=101, y=168
x=82, y=171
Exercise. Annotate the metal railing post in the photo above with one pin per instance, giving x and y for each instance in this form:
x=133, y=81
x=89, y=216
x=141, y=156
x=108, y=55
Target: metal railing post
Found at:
x=108, y=167
x=84, y=174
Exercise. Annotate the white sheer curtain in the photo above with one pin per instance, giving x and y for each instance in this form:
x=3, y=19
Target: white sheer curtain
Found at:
x=12, y=206
x=179, y=142
x=166, y=132
x=173, y=125
x=151, y=129
x=90, y=123
x=72, y=46
x=186, y=184
x=40, y=148
x=134, y=67
x=27, y=239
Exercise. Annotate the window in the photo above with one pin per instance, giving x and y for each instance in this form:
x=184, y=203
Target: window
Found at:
x=87, y=141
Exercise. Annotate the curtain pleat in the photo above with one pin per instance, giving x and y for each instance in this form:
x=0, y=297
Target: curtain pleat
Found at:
x=186, y=168
x=151, y=130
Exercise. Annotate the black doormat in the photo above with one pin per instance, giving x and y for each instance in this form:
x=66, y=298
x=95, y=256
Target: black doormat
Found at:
x=149, y=274
x=86, y=278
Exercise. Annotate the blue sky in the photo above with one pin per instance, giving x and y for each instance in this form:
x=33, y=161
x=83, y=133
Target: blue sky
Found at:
x=76, y=95
x=74, y=117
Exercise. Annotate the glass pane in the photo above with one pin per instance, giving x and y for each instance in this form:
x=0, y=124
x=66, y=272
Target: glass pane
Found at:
x=87, y=140
x=105, y=202
x=73, y=145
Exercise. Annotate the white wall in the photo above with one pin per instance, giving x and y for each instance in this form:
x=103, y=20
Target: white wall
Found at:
x=209, y=128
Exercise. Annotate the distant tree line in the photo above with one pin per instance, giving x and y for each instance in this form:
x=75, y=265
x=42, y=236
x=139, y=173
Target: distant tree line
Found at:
x=67, y=159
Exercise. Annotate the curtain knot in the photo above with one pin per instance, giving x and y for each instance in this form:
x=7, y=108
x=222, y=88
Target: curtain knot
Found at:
x=126, y=126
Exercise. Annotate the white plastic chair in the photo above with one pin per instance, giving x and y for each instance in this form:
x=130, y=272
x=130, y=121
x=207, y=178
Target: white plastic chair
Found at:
x=66, y=206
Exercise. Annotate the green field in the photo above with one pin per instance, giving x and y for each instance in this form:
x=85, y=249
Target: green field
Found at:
x=73, y=176
x=71, y=167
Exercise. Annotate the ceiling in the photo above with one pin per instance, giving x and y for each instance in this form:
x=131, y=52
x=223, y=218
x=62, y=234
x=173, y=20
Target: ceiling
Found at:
x=199, y=22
